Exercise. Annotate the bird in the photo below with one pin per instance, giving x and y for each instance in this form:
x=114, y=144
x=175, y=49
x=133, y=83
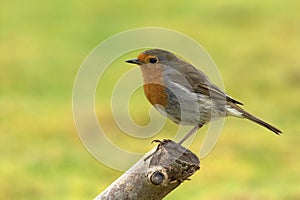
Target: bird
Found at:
x=184, y=94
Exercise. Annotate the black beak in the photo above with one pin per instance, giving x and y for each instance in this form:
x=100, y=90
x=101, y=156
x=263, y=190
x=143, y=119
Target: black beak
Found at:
x=134, y=61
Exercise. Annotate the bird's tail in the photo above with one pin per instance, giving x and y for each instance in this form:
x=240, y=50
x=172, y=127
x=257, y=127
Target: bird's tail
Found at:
x=247, y=115
x=261, y=122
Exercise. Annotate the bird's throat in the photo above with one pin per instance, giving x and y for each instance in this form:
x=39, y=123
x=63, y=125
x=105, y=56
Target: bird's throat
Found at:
x=154, y=88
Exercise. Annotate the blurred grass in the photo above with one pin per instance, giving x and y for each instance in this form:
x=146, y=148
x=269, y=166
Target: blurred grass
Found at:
x=255, y=44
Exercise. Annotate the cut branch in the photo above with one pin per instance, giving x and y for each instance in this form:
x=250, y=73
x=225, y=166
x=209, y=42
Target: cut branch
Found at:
x=154, y=176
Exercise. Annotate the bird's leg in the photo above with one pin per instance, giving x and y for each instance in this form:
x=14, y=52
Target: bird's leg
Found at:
x=189, y=134
x=160, y=143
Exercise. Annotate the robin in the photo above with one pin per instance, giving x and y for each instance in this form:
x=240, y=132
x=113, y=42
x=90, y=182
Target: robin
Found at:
x=184, y=94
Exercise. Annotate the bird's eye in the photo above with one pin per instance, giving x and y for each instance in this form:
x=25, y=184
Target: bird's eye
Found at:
x=153, y=60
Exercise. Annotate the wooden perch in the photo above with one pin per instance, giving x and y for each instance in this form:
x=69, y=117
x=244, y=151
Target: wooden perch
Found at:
x=154, y=176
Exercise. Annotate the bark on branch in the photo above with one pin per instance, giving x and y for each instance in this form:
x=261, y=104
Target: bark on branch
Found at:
x=154, y=176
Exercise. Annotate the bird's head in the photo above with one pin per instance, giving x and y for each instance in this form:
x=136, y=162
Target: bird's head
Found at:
x=154, y=57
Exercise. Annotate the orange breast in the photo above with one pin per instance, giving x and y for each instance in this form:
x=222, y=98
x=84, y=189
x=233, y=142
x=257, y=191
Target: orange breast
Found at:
x=155, y=93
x=153, y=84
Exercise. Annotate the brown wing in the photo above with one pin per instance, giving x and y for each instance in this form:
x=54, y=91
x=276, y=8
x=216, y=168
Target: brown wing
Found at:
x=201, y=84
x=215, y=92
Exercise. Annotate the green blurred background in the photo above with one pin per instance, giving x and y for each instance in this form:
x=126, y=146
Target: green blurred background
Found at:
x=255, y=44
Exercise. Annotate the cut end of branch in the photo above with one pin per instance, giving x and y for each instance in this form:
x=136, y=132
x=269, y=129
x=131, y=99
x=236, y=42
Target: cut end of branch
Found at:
x=156, y=175
x=171, y=163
